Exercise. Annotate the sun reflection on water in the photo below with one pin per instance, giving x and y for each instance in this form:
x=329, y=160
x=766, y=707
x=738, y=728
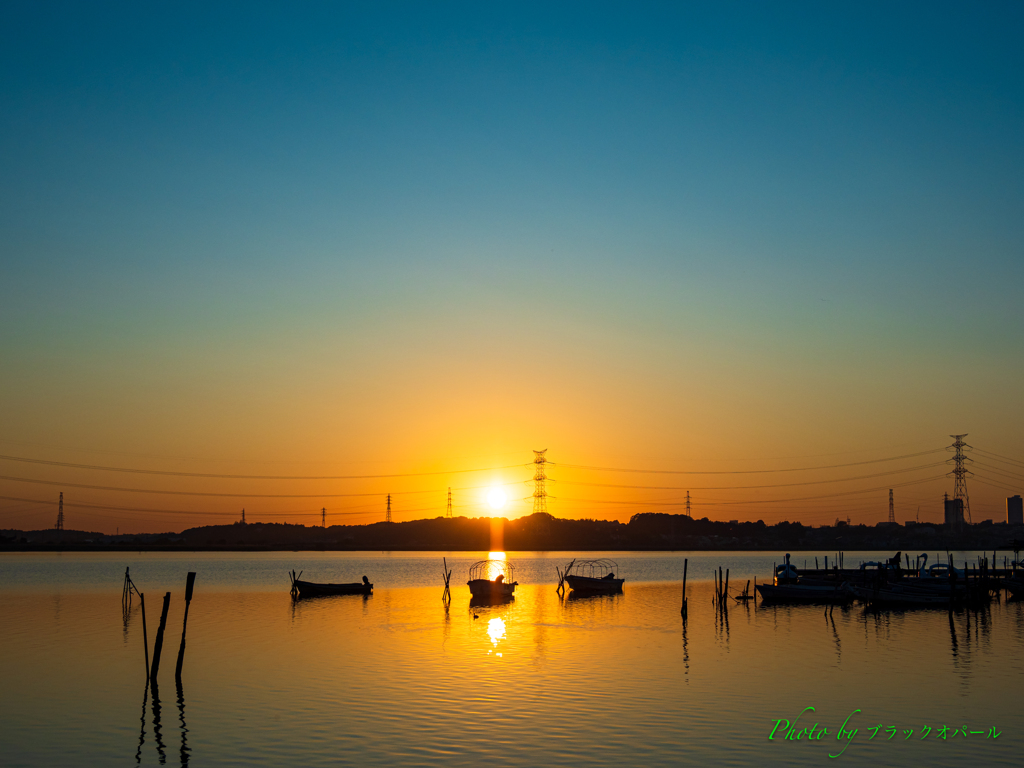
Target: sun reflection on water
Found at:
x=496, y=630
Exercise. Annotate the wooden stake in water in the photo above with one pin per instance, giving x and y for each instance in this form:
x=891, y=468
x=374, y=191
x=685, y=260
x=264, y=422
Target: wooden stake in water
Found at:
x=447, y=594
x=145, y=640
x=159, y=643
x=683, y=609
x=190, y=581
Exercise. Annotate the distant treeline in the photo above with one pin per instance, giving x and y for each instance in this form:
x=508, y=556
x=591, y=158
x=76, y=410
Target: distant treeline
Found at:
x=646, y=531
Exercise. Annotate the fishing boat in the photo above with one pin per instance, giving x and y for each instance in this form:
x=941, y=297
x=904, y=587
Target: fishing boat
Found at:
x=492, y=580
x=899, y=594
x=788, y=586
x=1015, y=584
x=797, y=592
x=313, y=589
x=594, y=576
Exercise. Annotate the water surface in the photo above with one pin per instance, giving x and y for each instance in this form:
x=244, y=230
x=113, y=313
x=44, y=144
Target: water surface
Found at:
x=399, y=679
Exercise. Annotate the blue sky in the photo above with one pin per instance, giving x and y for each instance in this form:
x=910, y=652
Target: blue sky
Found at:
x=809, y=213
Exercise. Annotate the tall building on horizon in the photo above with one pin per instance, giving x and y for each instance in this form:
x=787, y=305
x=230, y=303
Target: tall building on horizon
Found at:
x=1014, y=510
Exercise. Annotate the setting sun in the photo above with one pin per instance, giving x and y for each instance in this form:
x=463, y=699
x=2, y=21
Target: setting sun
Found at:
x=496, y=498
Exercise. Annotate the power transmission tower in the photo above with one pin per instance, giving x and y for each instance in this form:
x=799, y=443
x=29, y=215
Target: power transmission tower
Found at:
x=960, y=473
x=892, y=514
x=323, y=517
x=60, y=513
x=448, y=511
x=243, y=516
x=688, y=504
x=540, y=494
x=387, y=515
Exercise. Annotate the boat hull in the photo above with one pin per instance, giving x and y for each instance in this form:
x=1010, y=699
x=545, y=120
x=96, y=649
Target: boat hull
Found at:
x=313, y=589
x=900, y=597
x=483, y=589
x=796, y=593
x=1015, y=587
x=587, y=584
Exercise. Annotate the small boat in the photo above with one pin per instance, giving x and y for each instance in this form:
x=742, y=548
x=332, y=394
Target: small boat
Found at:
x=313, y=589
x=797, y=592
x=595, y=576
x=790, y=587
x=492, y=580
x=898, y=594
x=1015, y=586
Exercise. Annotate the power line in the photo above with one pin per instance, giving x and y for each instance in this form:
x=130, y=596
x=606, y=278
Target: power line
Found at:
x=170, y=473
x=763, y=501
x=997, y=457
x=744, y=471
x=198, y=513
x=210, y=493
x=999, y=471
x=742, y=487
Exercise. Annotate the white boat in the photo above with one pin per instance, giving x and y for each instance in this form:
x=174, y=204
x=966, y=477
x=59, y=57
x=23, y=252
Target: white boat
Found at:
x=789, y=586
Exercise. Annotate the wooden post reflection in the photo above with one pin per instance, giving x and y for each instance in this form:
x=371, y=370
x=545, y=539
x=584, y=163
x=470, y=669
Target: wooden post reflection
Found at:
x=157, y=732
x=184, y=729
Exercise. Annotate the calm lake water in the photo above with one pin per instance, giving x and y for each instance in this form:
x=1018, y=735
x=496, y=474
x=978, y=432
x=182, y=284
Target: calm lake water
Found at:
x=397, y=679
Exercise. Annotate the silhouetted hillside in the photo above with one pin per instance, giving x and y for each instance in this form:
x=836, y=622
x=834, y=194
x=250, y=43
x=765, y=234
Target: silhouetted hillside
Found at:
x=647, y=531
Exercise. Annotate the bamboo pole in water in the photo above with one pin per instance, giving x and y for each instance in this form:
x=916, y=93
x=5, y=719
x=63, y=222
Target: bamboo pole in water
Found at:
x=190, y=581
x=683, y=609
x=159, y=643
x=145, y=640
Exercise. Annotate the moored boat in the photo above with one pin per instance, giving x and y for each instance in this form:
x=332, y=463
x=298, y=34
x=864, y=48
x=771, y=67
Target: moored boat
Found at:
x=797, y=592
x=313, y=589
x=492, y=580
x=899, y=594
x=1015, y=586
x=789, y=586
x=597, y=576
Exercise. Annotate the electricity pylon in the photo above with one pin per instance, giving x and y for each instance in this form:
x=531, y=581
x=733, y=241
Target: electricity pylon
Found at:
x=540, y=494
x=448, y=510
x=387, y=515
x=60, y=513
x=960, y=473
x=892, y=514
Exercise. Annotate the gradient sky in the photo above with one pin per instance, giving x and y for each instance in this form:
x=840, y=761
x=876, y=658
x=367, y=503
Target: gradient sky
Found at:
x=392, y=238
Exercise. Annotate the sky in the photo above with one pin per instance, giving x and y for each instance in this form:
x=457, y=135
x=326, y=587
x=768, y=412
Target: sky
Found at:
x=340, y=240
